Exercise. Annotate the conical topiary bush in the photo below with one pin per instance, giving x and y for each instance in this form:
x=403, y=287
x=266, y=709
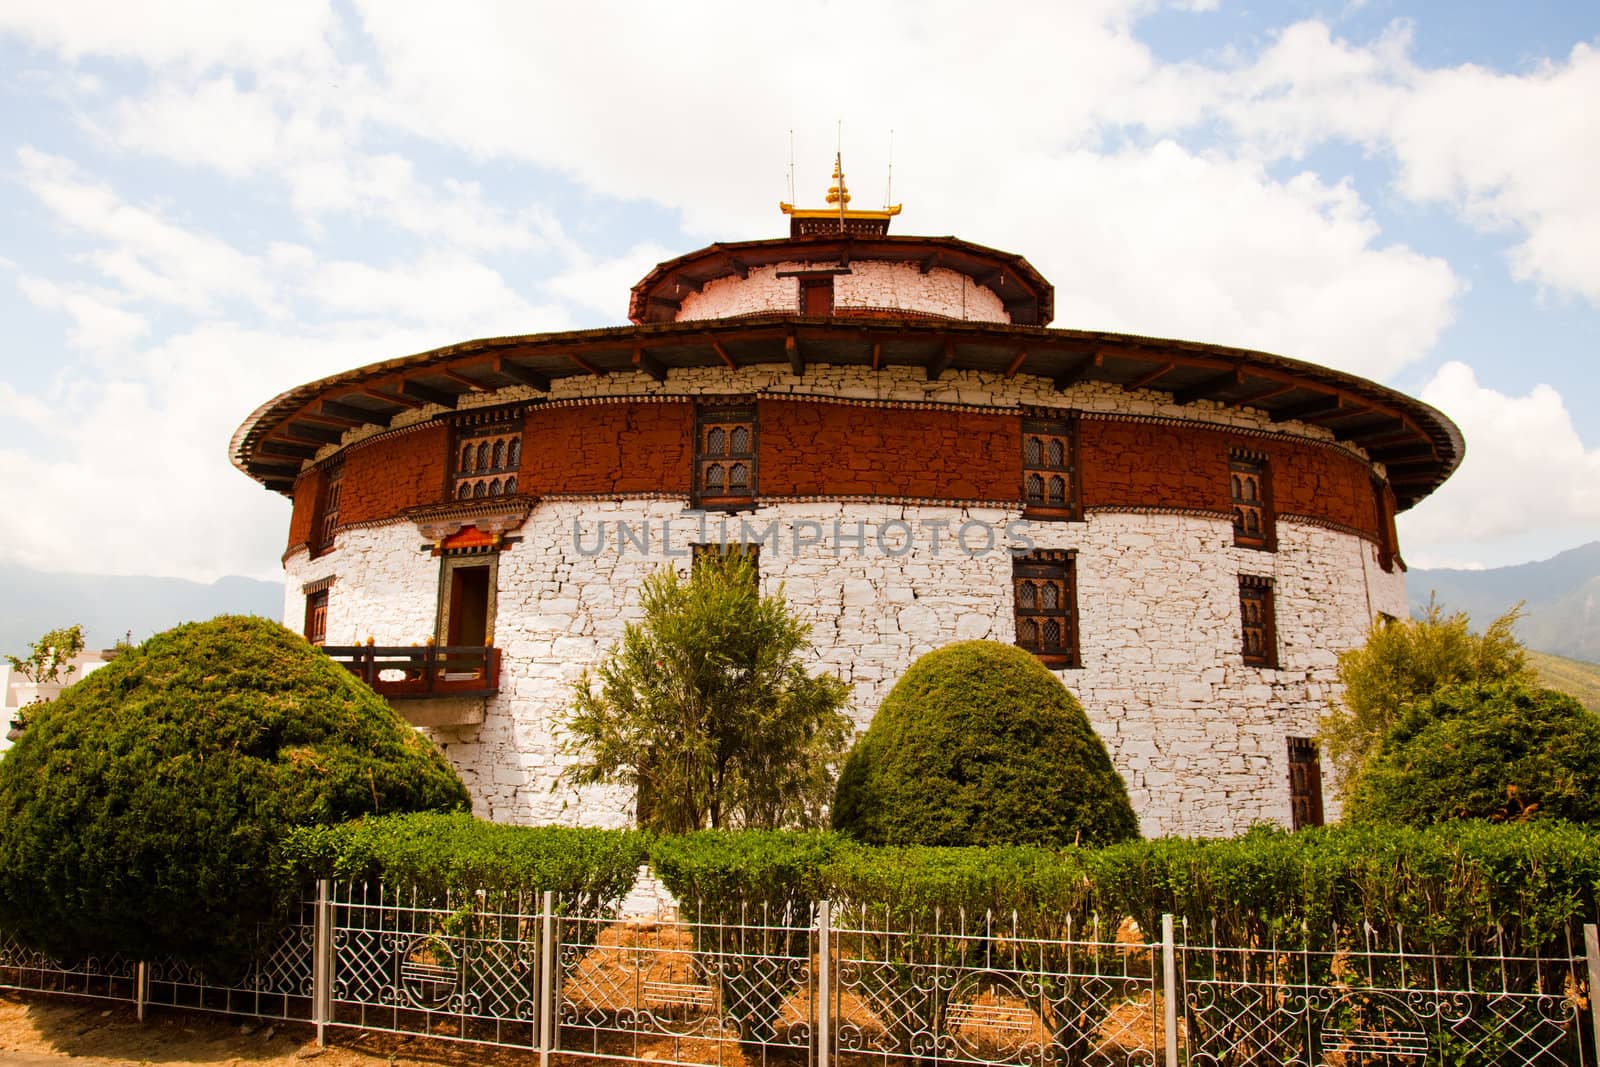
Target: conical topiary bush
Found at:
x=979, y=744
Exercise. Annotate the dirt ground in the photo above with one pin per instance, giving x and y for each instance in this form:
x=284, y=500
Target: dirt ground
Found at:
x=39, y=1030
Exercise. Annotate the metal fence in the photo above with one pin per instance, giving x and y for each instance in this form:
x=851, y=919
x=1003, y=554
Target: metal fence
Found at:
x=845, y=985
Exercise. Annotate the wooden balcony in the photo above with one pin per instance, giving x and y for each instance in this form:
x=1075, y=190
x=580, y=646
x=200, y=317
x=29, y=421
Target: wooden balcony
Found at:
x=418, y=672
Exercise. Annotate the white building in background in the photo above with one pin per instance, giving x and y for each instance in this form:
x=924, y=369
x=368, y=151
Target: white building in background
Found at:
x=1187, y=533
x=17, y=690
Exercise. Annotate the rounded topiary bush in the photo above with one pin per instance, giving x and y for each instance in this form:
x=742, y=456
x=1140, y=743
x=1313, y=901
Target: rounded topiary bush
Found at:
x=979, y=744
x=1500, y=752
x=143, y=811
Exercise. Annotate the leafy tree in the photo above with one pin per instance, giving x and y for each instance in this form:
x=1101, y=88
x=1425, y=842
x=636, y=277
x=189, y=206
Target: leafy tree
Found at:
x=979, y=744
x=144, y=810
x=1406, y=660
x=1502, y=752
x=706, y=709
x=50, y=658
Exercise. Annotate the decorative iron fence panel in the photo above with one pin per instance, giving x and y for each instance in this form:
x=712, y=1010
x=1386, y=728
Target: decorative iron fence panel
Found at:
x=1370, y=999
x=980, y=990
x=838, y=987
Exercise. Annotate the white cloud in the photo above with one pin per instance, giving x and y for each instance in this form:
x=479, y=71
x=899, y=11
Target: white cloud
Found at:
x=99, y=324
x=1526, y=468
x=1508, y=152
x=603, y=286
x=148, y=256
x=454, y=296
x=195, y=32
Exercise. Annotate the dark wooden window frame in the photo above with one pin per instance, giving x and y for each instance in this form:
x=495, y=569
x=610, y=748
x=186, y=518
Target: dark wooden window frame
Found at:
x=1032, y=577
x=448, y=566
x=325, y=521
x=1305, y=783
x=1050, y=483
x=1258, y=626
x=486, y=453
x=729, y=419
x=316, y=629
x=1250, y=496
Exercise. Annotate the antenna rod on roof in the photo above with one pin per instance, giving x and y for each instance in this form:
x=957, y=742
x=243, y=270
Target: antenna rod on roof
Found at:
x=791, y=164
x=888, y=190
x=838, y=166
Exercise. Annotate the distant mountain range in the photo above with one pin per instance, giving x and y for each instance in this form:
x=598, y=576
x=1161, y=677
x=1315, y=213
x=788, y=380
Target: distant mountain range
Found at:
x=1561, y=614
x=110, y=607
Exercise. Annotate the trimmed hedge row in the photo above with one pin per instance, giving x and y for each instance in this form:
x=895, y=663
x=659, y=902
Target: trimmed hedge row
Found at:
x=1451, y=884
x=589, y=870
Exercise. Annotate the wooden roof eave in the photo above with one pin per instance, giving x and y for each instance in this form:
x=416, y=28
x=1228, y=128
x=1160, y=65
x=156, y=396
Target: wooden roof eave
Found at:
x=1225, y=375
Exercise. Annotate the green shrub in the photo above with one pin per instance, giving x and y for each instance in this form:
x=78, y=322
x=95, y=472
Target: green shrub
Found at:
x=144, y=810
x=979, y=744
x=1497, y=752
x=590, y=871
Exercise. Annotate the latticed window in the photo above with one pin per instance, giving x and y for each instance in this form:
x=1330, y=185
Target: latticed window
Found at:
x=1255, y=615
x=1045, y=601
x=1305, y=783
x=725, y=457
x=487, y=453
x=1048, y=470
x=1252, y=504
x=327, y=520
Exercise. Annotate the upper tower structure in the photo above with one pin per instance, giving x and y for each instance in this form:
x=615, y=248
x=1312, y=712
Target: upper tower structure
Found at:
x=839, y=262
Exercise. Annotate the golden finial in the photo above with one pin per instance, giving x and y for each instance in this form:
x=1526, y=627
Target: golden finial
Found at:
x=838, y=191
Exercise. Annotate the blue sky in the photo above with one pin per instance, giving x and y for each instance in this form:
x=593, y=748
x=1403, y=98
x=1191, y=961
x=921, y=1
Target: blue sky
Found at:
x=202, y=205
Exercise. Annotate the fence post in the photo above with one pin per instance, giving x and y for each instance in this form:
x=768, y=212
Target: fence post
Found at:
x=1591, y=948
x=141, y=990
x=1169, y=988
x=322, y=958
x=824, y=982
x=547, y=976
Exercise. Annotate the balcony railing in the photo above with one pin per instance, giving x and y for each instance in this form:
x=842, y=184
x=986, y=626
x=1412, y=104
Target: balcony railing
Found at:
x=419, y=671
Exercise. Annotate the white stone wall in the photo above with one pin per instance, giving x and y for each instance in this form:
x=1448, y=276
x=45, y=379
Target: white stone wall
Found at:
x=940, y=291
x=1199, y=737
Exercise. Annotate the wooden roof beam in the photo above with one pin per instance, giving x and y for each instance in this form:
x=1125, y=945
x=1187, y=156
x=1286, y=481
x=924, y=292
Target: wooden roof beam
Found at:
x=1078, y=371
x=461, y=379
x=1422, y=450
x=722, y=353
x=1016, y=363
x=279, y=485
x=362, y=416
x=310, y=431
x=877, y=356
x=263, y=469
x=1209, y=387
x=1320, y=406
x=1271, y=392
x=739, y=267
x=289, y=449
x=1149, y=377
x=399, y=400
x=585, y=366
x=1345, y=410
x=523, y=375
x=941, y=360
x=791, y=348
x=649, y=364
x=428, y=394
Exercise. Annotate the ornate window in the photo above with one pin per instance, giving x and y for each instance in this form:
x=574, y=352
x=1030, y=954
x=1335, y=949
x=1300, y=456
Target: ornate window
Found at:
x=1305, y=783
x=1260, y=644
x=1251, y=492
x=725, y=457
x=316, y=630
x=487, y=453
x=1045, y=602
x=1049, y=470
x=327, y=515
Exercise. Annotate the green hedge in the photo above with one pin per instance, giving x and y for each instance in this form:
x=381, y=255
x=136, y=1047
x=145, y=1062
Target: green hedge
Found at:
x=1451, y=884
x=589, y=870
